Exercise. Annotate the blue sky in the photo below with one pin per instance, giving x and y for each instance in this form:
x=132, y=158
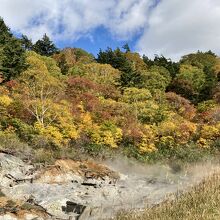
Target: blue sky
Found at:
x=100, y=38
x=169, y=27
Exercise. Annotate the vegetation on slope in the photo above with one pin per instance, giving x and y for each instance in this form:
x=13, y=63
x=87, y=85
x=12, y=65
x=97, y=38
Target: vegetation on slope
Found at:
x=56, y=104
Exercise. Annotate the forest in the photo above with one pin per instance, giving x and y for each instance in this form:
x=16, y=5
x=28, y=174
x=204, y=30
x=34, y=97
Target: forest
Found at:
x=67, y=103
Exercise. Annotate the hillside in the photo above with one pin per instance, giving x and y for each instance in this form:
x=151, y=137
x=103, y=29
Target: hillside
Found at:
x=65, y=103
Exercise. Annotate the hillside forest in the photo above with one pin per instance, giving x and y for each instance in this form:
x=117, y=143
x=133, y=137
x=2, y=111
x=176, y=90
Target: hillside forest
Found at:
x=69, y=103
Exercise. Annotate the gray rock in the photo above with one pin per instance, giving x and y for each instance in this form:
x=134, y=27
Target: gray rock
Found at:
x=66, y=195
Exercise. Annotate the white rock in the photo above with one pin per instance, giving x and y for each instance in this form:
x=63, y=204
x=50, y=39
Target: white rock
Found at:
x=7, y=217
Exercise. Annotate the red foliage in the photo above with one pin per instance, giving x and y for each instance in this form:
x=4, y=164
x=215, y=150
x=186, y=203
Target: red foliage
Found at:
x=12, y=84
x=211, y=117
x=78, y=85
x=17, y=110
x=133, y=132
x=181, y=105
x=82, y=90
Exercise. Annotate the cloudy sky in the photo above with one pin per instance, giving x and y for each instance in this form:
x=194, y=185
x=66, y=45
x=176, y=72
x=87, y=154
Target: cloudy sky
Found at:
x=168, y=27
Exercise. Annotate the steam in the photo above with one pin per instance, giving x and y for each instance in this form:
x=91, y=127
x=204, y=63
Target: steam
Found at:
x=147, y=185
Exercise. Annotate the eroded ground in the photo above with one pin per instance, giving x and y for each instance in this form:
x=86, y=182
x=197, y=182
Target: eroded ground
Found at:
x=88, y=190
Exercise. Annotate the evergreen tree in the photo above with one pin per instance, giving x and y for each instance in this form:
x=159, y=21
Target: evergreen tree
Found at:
x=26, y=42
x=118, y=60
x=5, y=33
x=148, y=61
x=162, y=61
x=12, y=55
x=126, y=48
x=45, y=46
x=63, y=65
x=13, y=59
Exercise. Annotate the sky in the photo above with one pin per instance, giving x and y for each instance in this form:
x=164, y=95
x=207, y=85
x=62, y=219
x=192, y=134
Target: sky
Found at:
x=165, y=27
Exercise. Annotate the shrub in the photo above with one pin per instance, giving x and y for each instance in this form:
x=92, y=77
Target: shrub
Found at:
x=23, y=130
x=179, y=130
x=148, y=139
x=106, y=134
x=206, y=105
x=43, y=156
x=181, y=105
x=10, y=142
x=208, y=135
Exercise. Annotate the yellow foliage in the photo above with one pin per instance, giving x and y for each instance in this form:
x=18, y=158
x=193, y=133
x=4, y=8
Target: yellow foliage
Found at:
x=107, y=138
x=64, y=120
x=203, y=143
x=101, y=73
x=68, y=130
x=147, y=148
x=52, y=133
x=181, y=131
x=134, y=95
x=35, y=63
x=168, y=141
x=86, y=122
x=147, y=143
x=167, y=128
x=42, y=64
x=59, y=126
x=210, y=132
x=186, y=130
x=86, y=119
x=107, y=134
x=5, y=100
x=137, y=62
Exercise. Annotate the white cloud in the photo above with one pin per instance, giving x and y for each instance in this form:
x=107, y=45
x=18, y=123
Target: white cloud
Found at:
x=75, y=17
x=129, y=17
x=177, y=27
x=173, y=28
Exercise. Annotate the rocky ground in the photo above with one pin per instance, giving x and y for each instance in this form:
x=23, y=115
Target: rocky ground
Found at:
x=87, y=190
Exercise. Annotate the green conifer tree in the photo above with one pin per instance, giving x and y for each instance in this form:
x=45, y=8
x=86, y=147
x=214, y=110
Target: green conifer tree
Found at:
x=12, y=54
x=5, y=33
x=26, y=42
x=45, y=46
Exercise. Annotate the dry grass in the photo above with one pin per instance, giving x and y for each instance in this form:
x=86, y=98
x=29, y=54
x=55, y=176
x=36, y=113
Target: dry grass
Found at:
x=201, y=203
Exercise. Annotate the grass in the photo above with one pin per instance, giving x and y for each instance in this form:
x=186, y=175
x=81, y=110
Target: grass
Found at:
x=202, y=202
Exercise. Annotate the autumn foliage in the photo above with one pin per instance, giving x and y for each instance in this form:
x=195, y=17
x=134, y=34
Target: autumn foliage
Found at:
x=118, y=102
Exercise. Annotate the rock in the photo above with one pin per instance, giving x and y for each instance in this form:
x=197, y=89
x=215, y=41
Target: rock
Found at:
x=30, y=216
x=8, y=217
x=27, y=216
x=73, y=207
x=65, y=171
x=92, y=213
x=12, y=170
